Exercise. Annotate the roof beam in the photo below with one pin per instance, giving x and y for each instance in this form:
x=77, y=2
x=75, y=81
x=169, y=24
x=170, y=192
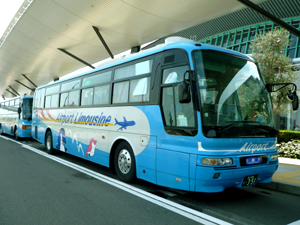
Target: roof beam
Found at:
x=271, y=17
x=75, y=57
x=103, y=42
x=11, y=92
x=3, y=97
x=29, y=80
x=14, y=90
x=24, y=85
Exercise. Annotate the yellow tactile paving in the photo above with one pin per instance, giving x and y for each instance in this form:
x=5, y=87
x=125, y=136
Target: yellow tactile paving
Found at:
x=286, y=179
x=285, y=164
x=288, y=176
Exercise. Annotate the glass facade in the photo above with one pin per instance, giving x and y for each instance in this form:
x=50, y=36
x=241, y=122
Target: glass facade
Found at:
x=240, y=40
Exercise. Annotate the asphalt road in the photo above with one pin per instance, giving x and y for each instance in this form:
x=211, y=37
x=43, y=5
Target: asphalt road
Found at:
x=36, y=188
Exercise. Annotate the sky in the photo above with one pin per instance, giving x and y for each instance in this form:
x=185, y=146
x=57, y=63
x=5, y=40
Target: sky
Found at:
x=8, y=9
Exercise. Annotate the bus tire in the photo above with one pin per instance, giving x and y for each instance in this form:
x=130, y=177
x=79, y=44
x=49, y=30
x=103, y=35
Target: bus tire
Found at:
x=124, y=162
x=16, y=134
x=49, y=143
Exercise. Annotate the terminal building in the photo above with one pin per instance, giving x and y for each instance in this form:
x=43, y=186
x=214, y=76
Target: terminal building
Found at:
x=237, y=30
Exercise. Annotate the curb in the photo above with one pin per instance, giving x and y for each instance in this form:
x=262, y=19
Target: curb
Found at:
x=282, y=187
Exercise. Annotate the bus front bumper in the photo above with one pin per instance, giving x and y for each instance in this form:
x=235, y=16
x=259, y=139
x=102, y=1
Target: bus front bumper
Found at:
x=209, y=179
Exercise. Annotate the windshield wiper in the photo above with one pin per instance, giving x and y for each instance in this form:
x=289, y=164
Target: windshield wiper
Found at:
x=268, y=128
x=234, y=123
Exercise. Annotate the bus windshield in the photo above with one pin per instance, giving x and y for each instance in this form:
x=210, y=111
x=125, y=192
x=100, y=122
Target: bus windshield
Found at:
x=234, y=102
x=27, y=109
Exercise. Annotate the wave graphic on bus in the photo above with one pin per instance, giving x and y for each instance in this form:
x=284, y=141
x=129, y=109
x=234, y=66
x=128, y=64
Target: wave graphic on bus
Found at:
x=41, y=115
x=75, y=139
x=124, y=124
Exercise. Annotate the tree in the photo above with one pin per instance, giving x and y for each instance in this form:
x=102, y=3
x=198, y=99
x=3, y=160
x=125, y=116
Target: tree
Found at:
x=269, y=52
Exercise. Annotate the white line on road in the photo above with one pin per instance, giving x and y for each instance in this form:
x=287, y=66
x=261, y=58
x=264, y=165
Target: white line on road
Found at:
x=172, y=206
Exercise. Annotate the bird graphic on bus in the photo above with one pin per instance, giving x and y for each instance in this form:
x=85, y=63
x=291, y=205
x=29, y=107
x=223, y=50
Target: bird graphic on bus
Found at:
x=124, y=124
x=91, y=148
x=61, y=140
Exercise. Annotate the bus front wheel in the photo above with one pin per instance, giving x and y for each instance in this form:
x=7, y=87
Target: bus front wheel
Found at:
x=125, y=162
x=49, y=143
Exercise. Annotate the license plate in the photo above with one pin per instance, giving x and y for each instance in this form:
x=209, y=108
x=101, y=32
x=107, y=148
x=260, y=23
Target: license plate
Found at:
x=253, y=160
x=249, y=180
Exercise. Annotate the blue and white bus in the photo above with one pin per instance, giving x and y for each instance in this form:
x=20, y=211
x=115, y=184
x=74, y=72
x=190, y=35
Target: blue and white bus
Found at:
x=183, y=115
x=16, y=116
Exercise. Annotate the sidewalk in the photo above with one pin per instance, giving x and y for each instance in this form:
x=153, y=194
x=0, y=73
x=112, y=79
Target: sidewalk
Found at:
x=286, y=178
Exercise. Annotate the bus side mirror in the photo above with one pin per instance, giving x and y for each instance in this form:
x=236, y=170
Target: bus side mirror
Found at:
x=19, y=112
x=293, y=97
x=270, y=87
x=184, y=89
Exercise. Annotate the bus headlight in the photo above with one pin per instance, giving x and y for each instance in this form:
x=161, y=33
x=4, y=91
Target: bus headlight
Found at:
x=217, y=161
x=274, y=157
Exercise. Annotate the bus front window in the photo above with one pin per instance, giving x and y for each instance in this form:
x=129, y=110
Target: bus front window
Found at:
x=27, y=109
x=233, y=98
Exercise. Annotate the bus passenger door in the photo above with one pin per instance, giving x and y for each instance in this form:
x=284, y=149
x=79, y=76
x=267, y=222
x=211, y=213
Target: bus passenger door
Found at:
x=177, y=140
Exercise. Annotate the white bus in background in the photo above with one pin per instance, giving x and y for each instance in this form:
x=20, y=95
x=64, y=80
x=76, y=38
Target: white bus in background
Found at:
x=16, y=116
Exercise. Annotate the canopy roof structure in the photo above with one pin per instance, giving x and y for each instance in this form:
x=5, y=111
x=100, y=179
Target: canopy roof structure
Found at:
x=38, y=43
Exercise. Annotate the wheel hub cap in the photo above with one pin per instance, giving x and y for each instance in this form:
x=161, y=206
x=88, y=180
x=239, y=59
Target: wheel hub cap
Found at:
x=124, y=161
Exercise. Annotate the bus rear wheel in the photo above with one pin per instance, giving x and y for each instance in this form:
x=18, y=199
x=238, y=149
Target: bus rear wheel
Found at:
x=49, y=143
x=124, y=162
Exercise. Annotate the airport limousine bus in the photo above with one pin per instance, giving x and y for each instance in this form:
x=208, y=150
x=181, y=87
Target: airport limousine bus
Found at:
x=16, y=116
x=183, y=115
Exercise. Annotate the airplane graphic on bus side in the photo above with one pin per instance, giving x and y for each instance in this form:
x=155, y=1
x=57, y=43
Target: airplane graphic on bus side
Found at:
x=124, y=124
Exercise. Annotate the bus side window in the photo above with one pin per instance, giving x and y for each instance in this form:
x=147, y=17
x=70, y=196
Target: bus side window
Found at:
x=70, y=85
x=36, y=99
x=97, y=79
x=180, y=114
x=87, y=96
x=101, y=95
x=168, y=106
x=139, y=90
x=48, y=101
x=185, y=116
x=120, y=94
x=42, y=99
x=134, y=69
x=74, y=98
x=54, y=101
x=64, y=99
